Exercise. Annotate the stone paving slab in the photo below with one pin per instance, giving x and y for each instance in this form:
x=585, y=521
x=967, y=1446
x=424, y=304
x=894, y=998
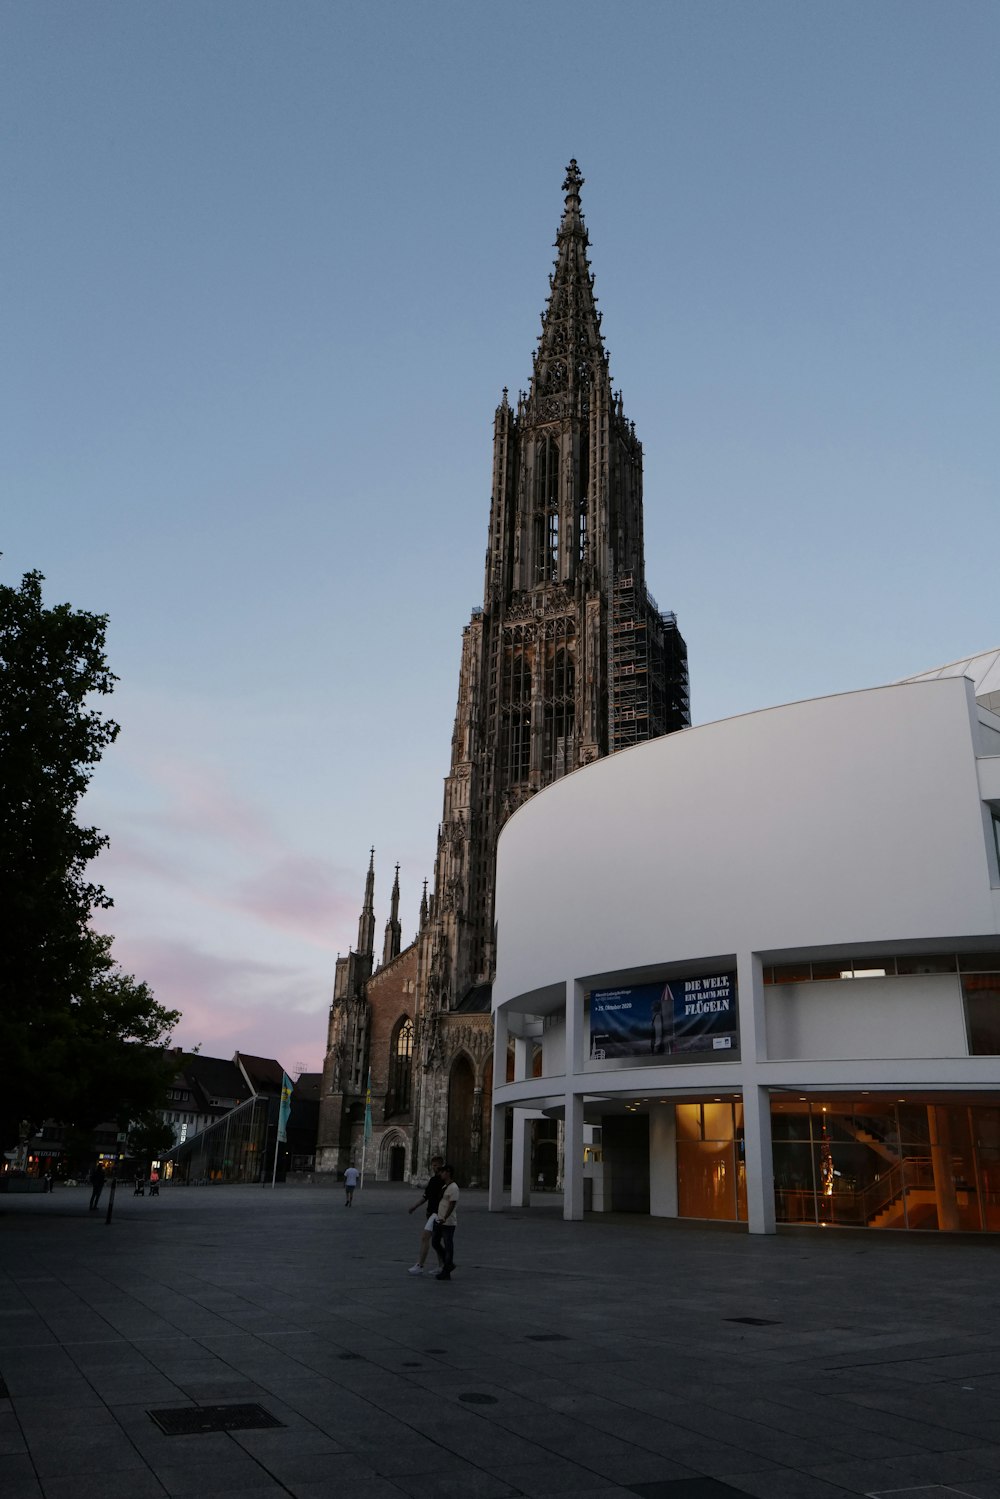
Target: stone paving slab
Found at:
x=602, y=1360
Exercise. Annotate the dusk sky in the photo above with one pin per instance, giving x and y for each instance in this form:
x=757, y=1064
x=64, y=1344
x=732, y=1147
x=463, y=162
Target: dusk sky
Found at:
x=267, y=266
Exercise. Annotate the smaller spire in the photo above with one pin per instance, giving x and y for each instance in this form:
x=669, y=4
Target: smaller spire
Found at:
x=393, y=930
x=366, y=926
x=423, y=908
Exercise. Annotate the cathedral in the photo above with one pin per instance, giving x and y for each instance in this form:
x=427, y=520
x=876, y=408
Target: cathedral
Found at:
x=568, y=659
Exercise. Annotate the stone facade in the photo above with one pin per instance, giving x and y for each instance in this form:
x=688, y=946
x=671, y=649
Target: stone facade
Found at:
x=567, y=660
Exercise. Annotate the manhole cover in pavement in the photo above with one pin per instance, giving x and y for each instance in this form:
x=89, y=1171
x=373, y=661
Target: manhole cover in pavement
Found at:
x=547, y=1337
x=186, y=1421
x=927, y=1491
x=348, y=1355
x=474, y=1398
x=755, y=1321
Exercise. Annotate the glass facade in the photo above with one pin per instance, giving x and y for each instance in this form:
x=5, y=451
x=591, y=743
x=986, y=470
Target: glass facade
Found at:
x=887, y=1163
x=711, y=1174
x=235, y=1149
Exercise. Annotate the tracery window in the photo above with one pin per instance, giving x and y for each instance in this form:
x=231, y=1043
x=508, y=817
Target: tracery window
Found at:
x=515, y=738
x=560, y=715
x=546, y=512
x=397, y=1099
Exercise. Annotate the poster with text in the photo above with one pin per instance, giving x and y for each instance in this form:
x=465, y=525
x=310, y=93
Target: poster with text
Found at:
x=665, y=1019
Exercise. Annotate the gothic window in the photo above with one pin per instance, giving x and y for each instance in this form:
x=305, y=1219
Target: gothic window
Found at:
x=397, y=1099
x=560, y=715
x=515, y=745
x=358, y=1059
x=546, y=519
x=581, y=498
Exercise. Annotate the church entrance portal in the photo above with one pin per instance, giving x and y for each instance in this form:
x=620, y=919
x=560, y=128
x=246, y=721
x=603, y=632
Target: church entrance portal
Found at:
x=461, y=1088
x=397, y=1163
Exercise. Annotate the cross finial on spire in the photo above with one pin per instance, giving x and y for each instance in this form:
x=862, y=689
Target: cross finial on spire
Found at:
x=574, y=180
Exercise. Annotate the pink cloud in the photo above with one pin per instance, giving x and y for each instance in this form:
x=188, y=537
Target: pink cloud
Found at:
x=298, y=893
x=231, y=1004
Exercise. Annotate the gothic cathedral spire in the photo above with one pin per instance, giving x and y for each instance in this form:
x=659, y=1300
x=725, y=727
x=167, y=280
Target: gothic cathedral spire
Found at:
x=568, y=658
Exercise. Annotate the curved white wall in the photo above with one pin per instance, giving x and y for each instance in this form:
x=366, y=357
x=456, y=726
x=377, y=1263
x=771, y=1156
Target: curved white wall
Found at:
x=844, y=820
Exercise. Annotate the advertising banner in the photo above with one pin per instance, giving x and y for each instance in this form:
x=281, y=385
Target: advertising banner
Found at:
x=665, y=1019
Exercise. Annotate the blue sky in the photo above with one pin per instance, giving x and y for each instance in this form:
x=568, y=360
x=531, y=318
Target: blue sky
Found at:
x=268, y=265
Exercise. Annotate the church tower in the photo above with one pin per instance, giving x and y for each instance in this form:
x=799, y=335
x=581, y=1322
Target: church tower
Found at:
x=567, y=660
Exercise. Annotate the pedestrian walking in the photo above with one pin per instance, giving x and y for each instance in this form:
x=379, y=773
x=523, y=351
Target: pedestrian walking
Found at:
x=432, y=1196
x=351, y=1178
x=154, y=1183
x=97, y=1179
x=140, y=1185
x=443, y=1236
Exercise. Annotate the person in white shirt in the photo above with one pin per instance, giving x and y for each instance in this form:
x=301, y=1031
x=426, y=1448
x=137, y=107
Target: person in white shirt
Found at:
x=447, y=1222
x=351, y=1178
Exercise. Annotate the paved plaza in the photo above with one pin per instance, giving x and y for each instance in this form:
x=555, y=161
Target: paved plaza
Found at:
x=606, y=1359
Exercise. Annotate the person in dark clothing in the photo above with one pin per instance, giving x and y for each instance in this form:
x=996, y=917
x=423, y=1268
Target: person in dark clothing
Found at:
x=97, y=1179
x=446, y=1222
x=431, y=1197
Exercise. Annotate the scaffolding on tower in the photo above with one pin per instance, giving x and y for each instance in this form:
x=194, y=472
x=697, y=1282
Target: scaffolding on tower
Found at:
x=648, y=667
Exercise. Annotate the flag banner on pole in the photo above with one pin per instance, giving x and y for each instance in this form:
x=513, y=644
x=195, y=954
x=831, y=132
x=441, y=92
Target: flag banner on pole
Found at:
x=285, y=1108
x=368, y=1108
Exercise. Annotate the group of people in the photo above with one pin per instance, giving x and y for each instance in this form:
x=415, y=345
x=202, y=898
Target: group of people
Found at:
x=441, y=1199
x=99, y=1176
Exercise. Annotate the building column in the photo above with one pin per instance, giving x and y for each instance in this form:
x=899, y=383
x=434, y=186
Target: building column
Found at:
x=498, y=1125
x=573, y=1116
x=497, y=1131
x=758, y=1154
x=573, y=1159
x=520, y=1161
x=758, y=1159
x=663, y=1161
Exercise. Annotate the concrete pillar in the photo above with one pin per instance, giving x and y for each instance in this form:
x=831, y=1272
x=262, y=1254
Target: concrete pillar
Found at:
x=573, y=1116
x=573, y=1165
x=663, y=1161
x=499, y=1112
x=759, y=1161
x=758, y=1157
x=574, y=1029
x=520, y=1161
x=497, y=1132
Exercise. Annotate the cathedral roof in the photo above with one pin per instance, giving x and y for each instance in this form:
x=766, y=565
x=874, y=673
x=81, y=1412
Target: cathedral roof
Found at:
x=476, y=1001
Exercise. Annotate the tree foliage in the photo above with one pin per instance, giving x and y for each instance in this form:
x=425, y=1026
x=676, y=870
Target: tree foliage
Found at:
x=80, y=1041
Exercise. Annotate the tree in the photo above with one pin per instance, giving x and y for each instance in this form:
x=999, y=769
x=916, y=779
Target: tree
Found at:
x=149, y=1138
x=80, y=1041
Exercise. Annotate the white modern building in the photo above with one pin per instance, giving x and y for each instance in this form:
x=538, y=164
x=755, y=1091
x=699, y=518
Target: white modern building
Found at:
x=754, y=967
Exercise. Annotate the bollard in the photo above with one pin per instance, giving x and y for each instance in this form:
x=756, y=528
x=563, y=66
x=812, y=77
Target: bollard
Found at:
x=111, y=1197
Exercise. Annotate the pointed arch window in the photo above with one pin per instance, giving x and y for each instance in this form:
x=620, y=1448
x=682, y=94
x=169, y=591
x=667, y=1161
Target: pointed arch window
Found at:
x=546, y=511
x=515, y=739
x=582, y=495
x=560, y=715
x=397, y=1098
